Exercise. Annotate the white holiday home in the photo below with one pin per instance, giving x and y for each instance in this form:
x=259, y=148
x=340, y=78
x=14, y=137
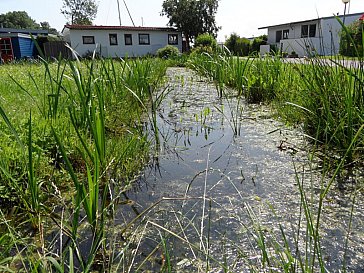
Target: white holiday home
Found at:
x=316, y=36
x=120, y=41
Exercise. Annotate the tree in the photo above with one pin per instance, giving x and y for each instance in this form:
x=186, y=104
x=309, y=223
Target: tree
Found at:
x=351, y=40
x=79, y=12
x=47, y=26
x=257, y=42
x=17, y=19
x=192, y=17
x=237, y=45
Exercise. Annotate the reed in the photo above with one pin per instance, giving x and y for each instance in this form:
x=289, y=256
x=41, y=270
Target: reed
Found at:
x=322, y=96
x=85, y=122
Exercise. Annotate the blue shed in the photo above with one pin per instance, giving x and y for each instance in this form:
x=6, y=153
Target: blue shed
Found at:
x=23, y=47
x=18, y=43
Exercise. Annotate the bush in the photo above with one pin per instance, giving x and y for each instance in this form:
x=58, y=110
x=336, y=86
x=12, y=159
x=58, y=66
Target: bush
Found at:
x=167, y=52
x=206, y=40
x=257, y=42
x=238, y=46
x=351, y=41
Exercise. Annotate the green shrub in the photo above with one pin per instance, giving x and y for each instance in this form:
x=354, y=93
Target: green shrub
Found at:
x=351, y=40
x=206, y=40
x=238, y=46
x=167, y=52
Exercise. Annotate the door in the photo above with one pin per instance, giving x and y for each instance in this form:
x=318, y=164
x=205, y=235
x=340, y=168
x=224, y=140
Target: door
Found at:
x=6, y=50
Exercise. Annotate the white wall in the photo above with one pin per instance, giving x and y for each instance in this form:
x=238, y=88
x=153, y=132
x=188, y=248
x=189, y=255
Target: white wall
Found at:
x=331, y=33
x=326, y=41
x=158, y=39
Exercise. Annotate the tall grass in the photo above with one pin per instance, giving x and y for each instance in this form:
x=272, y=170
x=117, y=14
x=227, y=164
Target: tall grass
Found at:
x=82, y=141
x=324, y=97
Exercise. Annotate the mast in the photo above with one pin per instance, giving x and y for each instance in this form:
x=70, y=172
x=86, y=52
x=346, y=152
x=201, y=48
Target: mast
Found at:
x=119, y=12
x=129, y=13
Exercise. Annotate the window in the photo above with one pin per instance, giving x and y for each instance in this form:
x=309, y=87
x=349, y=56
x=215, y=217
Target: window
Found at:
x=285, y=33
x=304, y=31
x=88, y=40
x=312, y=31
x=308, y=31
x=128, y=39
x=278, y=36
x=172, y=39
x=113, y=39
x=144, y=39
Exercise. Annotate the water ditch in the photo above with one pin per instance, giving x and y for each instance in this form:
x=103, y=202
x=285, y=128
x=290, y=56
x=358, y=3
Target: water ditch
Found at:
x=208, y=194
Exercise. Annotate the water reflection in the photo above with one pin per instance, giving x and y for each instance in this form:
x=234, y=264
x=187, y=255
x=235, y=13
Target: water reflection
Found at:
x=217, y=187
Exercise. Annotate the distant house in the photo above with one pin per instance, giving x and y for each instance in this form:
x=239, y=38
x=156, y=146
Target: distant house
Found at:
x=316, y=36
x=120, y=41
x=18, y=43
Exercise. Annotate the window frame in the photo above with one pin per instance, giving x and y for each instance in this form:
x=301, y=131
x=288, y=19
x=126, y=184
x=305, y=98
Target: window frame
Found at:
x=312, y=30
x=140, y=35
x=285, y=34
x=111, y=36
x=278, y=36
x=304, y=31
x=173, y=41
x=126, y=37
x=86, y=37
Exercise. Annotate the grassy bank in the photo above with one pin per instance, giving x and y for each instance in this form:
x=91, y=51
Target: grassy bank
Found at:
x=72, y=139
x=324, y=97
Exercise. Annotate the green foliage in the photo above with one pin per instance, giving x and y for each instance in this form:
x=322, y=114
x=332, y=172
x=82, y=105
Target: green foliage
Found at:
x=79, y=12
x=192, y=17
x=326, y=100
x=351, y=40
x=46, y=26
x=167, y=52
x=238, y=46
x=242, y=46
x=257, y=42
x=206, y=40
x=18, y=19
x=73, y=156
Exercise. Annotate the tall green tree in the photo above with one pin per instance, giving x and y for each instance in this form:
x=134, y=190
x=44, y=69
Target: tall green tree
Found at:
x=192, y=17
x=17, y=19
x=79, y=12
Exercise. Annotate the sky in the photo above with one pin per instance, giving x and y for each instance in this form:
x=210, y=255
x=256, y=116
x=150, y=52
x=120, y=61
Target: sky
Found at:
x=242, y=17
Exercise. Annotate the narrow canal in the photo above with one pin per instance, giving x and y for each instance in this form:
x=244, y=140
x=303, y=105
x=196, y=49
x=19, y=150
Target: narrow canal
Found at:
x=209, y=197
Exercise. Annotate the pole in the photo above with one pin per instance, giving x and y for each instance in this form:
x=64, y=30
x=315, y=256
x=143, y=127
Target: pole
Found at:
x=129, y=13
x=119, y=12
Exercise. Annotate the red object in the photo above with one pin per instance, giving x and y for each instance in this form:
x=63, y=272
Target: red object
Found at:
x=6, y=50
x=361, y=18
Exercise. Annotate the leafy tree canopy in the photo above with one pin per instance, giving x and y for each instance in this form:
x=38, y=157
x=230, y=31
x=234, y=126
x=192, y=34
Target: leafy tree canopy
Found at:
x=351, y=40
x=79, y=12
x=18, y=19
x=192, y=17
x=241, y=46
x=47, y=26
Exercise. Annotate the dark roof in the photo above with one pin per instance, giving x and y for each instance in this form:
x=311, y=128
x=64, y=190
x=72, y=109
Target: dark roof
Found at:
x=24, y=31
x=90, y=27
x=312, y=20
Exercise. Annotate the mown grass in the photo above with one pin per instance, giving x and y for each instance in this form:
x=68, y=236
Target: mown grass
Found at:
x=72, y=139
